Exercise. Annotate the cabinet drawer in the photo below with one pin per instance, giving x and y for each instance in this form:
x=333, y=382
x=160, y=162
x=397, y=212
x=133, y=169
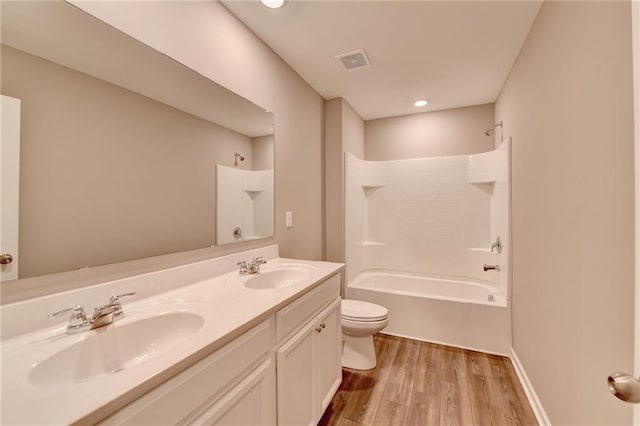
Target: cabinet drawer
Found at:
x=198, y=387
x=292, y=317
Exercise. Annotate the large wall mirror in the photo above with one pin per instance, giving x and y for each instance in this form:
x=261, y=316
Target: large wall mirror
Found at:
x=124, y=153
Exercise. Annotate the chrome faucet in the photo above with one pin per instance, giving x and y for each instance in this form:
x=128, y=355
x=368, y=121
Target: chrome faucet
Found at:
x=491, y=267
x=251, y=268
x=103, y=315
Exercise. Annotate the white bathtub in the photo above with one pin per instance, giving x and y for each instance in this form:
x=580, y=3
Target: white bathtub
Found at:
x=440, y=310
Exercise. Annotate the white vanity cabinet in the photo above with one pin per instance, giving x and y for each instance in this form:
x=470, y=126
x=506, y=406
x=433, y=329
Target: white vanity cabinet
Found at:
x=233, y=386
x=283, y=371
x=309, y=361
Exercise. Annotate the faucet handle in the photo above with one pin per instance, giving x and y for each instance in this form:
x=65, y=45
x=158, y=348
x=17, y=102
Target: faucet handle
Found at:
x=114, y=302
x=77, y=310
x=117, y=297
x=259, y=261
x=77, y=321
x=244, y=267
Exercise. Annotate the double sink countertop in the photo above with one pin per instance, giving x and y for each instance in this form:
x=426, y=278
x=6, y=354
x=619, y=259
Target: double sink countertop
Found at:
x=49, y=376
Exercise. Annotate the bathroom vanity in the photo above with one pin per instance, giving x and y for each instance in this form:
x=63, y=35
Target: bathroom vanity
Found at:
x=198, y=343
x=258, y=348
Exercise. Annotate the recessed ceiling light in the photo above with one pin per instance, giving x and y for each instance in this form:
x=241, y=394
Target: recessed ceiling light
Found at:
x=273, y=4
x=420, y=103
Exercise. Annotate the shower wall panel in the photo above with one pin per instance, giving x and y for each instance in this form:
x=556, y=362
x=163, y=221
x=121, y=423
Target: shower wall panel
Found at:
x=431, y=216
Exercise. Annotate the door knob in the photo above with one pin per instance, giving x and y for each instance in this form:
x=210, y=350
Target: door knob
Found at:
x=625, y=386
x=5, y=259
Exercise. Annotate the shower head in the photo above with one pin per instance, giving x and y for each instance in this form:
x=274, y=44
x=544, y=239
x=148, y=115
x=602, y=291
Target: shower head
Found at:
x=490, y=131
x=235, y=158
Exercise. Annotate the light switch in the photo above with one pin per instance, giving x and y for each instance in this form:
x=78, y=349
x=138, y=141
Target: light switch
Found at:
x=288, y=219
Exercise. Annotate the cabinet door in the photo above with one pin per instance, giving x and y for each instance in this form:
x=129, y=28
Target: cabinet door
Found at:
x=251, y=402
x=295, y=378
x=328, y=355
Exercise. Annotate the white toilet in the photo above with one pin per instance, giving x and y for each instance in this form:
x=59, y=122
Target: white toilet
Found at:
x=360, y=321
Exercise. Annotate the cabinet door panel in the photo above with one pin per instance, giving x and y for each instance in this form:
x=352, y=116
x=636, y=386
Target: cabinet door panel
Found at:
x=295, y=380
x=328, y=355
x=251, y=402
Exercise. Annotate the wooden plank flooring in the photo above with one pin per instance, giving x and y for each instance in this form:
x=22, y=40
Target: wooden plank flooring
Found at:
x=419, y=383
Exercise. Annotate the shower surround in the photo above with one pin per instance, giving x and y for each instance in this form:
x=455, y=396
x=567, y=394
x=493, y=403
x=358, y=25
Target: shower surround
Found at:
x=418, y=233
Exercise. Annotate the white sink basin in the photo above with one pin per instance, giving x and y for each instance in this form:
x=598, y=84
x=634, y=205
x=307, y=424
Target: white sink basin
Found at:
x=277, y=278
x=273, y=276
x=115, y=348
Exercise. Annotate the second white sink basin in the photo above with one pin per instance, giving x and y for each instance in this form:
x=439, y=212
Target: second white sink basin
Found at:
x=278, y=278
x=116, y=347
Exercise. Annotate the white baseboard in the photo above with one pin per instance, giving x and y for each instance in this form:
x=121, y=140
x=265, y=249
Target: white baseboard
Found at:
x=536, y=405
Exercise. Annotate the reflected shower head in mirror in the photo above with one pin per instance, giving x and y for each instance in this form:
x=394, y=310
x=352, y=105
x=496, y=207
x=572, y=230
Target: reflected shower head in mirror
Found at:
x=235, y=158
x=490, y=131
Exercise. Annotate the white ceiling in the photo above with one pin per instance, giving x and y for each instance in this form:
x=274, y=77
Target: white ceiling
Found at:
x=452, y=53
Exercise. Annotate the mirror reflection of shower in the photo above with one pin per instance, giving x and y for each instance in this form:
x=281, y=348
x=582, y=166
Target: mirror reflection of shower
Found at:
x=490, y=131
x=235, y=158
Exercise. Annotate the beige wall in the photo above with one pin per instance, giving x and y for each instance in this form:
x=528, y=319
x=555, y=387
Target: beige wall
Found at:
x=262, y=153
x=206, y=37
x=568, y=105
x=344, y=132
x=108, y=175
x=333, y=181
x=209, y=39
x=636, y=102
x=431, y=134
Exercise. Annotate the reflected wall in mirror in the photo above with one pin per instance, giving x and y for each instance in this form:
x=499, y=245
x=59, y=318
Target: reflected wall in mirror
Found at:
x=119, y=143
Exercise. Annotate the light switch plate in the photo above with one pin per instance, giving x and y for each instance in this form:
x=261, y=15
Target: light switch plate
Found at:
x=288, y=219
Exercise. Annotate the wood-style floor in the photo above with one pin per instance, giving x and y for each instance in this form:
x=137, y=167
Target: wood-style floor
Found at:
x=419, y=383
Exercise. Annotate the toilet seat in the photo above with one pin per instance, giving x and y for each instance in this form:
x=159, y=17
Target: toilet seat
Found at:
x=360, y=311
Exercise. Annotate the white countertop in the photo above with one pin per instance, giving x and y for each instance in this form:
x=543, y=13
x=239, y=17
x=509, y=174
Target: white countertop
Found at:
x=229, y=309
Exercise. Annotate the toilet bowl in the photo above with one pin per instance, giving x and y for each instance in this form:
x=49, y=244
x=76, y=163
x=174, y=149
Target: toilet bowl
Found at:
x=360, y=321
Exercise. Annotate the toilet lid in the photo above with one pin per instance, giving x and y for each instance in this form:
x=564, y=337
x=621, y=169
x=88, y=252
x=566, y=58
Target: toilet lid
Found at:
x=363, y=311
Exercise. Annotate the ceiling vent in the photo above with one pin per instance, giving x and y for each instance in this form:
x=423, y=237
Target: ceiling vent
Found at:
x=355, y=59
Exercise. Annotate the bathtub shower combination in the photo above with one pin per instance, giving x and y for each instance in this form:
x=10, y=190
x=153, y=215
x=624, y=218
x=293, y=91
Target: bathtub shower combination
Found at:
x=421, y=240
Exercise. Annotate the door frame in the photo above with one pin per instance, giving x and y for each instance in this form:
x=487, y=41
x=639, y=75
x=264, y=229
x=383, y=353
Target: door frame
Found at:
x=10, y=184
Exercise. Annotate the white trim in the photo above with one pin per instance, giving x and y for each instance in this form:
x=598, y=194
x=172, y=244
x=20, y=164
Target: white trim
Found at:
x=535, y=403
x=635, y=31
